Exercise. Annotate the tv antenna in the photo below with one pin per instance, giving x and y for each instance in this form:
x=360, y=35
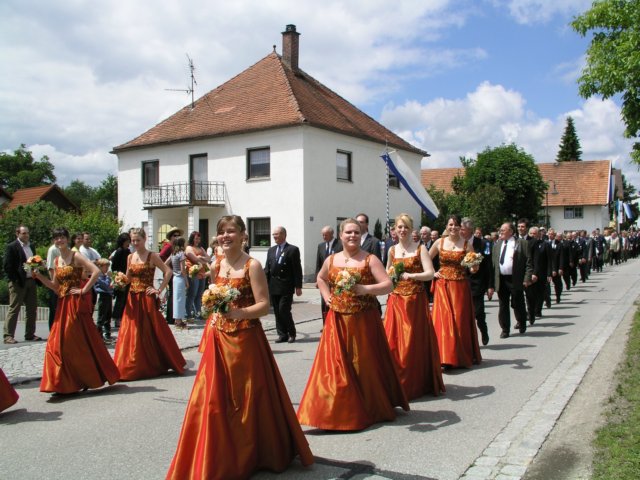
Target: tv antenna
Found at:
x=188, y=90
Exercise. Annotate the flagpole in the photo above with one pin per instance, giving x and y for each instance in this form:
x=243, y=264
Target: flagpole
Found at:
x=386, y=228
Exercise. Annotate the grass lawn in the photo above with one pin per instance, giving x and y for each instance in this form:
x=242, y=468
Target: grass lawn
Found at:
x=617, y=444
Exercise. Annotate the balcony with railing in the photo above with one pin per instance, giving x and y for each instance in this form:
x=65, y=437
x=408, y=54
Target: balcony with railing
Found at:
x=185, y=194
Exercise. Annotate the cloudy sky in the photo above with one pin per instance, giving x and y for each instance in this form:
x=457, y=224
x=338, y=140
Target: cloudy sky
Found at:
x=451, y=76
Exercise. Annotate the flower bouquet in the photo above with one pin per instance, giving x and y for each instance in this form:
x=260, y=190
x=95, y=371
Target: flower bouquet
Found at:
x=345, y=281
x=471, y=259
x=395, y=271
x=194, y=270
x=119, y=280
x=34, y=264
x=216, y=299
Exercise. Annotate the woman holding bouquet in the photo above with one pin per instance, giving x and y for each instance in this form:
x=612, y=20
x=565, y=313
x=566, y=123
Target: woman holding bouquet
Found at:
x=407, y=323
x=197, y=264
x=453, y=315
x=353, y=382
x=75, y=357
x=146, y=346
x=239, y=418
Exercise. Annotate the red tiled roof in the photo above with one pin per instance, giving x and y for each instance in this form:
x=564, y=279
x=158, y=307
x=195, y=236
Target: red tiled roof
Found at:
x=27, y=196
x=267, y=95
x=577, y=183
x=440, y=178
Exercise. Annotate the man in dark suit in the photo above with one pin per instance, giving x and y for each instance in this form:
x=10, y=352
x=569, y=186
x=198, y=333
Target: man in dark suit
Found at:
x=22, y=287
x=480, y=280
x=540, y=260
x=368, y=242
x=598, y=250
x=512, y=273
x=523, y=229
x=388, y=243
x=326, y=248
x=284, y=276
x=556, y=256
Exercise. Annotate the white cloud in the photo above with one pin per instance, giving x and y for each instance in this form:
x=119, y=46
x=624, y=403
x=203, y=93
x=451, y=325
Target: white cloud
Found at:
x=536, y=11
x=82, y=76
x=492, y=115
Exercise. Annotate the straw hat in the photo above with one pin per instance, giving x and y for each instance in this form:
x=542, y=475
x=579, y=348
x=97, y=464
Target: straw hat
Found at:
x=173, y=230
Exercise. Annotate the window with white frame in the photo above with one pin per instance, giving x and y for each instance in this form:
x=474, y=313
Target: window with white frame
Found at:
x=573, y=212
x=343, y=166
x=259, y=231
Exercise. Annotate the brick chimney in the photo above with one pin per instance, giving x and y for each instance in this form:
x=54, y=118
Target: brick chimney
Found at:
x=290, y=46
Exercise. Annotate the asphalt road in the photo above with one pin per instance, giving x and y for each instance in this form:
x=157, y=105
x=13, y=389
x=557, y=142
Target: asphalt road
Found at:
x=490, y=423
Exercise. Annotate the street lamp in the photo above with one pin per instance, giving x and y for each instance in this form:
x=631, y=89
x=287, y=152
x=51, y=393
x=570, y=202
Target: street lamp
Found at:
x=554, y=192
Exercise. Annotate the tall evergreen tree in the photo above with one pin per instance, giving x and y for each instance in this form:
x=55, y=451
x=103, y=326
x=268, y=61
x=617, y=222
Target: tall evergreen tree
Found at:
x=569, y=144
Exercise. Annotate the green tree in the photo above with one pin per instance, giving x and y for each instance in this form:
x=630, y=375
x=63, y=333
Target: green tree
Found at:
x=81, y=194
x=106, y=195
x=512, y=171
x=613, y=58
x=447, y=203
x=569, y=144
x=487, y=218
x=19, y=170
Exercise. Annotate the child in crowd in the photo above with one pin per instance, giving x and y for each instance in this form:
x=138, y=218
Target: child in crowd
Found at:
x=104, y=289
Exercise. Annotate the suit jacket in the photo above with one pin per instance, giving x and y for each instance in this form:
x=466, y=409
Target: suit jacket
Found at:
x=284, y=274
x=14, y=259
x=372, y=245
x=588, y=247
x=540, y=258
x=556, y=255
x=321, y=256
x=388, y=243
x=522, y=264
x=481, y=280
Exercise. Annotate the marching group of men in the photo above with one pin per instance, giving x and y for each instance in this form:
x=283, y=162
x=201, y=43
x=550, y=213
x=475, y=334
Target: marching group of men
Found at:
x=526, y=266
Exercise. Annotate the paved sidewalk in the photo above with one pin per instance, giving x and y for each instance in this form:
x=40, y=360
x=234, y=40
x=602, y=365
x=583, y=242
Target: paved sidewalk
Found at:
x=23, y=362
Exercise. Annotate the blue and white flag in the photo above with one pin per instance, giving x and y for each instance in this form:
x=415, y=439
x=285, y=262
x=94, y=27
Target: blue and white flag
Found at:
x=628, y=211
x=407, y=178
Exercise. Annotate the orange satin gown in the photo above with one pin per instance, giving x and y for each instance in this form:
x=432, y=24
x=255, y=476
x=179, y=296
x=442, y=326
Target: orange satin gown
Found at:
x=206, y=331
x=410, y=333
x=239, y=418
x=453, y=315
x=8, y=395
x=146, y=347
x=75, y=357
x=353, y=381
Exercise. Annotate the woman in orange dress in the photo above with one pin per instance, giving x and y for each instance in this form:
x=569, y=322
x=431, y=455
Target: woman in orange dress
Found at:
x=217, y=254
x=407, y=322
x=146, y=346
x=239, y=418
x=353, y=381
x=75, y=357
x=8, y=395
x=453, y=315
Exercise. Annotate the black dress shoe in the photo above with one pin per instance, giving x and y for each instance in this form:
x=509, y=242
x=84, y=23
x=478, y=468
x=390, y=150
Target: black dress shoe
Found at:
x=523, y=328
x=281, y=340
x=485, y=338
x=291, y=339
x=504, y=335
x=532, y=320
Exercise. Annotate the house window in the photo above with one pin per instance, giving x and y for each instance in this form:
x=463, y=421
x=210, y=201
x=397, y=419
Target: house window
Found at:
x=343, y=166
x=393, y=180
x=259, y=232
x=573, y=212
x=258, y=162
x=150, y=174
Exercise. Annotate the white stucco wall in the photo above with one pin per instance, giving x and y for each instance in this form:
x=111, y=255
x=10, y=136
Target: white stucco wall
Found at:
x=593, y=217
x=302, y=192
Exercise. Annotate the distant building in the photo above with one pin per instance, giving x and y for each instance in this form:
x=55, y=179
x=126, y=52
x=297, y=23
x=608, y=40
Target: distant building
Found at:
x=272, y=145
x=47, y=193
x=578, y=197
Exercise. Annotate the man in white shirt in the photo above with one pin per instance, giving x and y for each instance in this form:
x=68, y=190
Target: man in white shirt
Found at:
x=87, y=250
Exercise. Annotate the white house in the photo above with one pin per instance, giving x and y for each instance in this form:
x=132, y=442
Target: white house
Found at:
x=272, y=145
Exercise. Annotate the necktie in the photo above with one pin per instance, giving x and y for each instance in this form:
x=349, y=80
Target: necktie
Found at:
x=328, y=248
x=504, y=252
x=278, y=252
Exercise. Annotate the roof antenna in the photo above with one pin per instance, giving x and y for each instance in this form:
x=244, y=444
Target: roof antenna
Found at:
x=188, y=90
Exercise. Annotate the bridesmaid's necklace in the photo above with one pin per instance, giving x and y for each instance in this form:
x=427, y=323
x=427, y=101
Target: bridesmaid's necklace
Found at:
x=231, y=264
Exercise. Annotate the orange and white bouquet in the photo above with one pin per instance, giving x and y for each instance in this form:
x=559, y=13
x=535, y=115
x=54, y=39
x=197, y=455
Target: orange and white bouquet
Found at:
x=34, y=264
x=194, y=270
x=119, y=280
x=471, y=259
x=216, y=299
x=345, y=281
